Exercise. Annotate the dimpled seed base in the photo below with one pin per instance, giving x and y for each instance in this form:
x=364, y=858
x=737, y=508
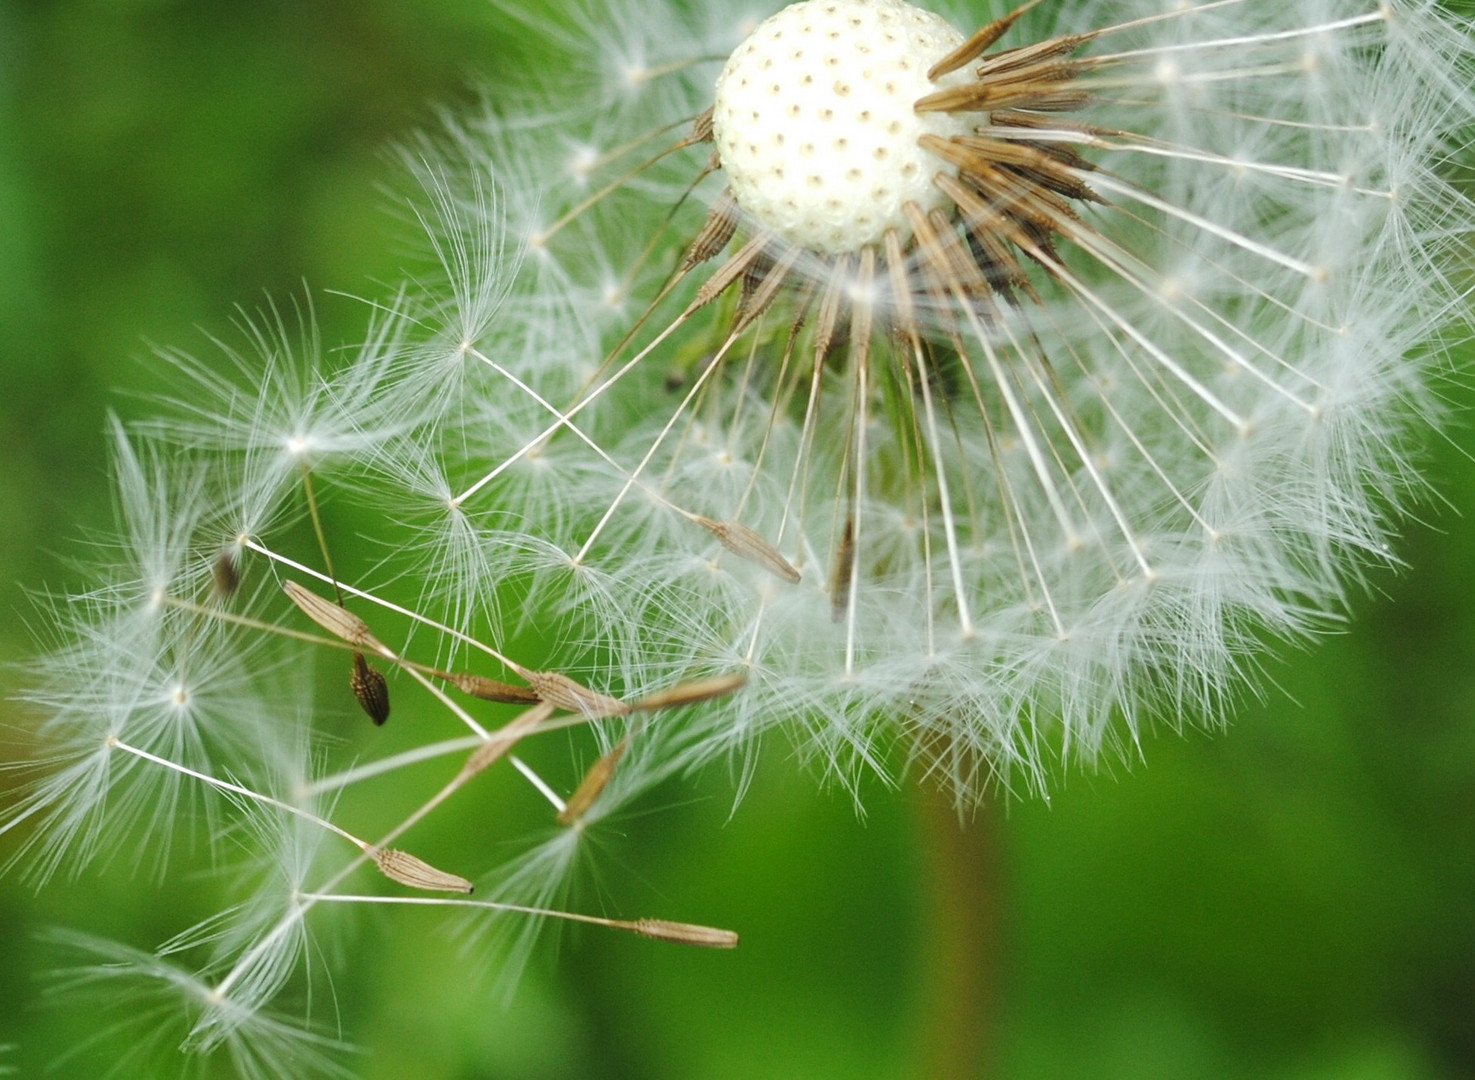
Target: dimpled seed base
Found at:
x=815, y=126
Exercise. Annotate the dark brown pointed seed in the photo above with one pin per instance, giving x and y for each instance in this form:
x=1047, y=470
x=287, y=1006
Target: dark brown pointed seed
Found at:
x=593, y=784
x=827, y=317
x=734, y=268
x=1032, y=57
x=762, y=282
x=225, y=574
x=1037, y=121
x=982, y=40
x=1032, y=164
x=706, y=937
x=1042, y=96
x=415, y=872
x=371, y=689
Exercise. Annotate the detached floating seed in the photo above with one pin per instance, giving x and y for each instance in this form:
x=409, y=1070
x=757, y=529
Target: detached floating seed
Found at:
x=371, y=689
x=416, y=873
x=705, y=937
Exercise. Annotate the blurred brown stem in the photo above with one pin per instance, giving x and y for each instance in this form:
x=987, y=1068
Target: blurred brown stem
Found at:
x=962, y=938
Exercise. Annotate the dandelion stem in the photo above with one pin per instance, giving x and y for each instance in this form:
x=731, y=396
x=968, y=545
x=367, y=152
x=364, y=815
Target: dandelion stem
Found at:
x=961, y=964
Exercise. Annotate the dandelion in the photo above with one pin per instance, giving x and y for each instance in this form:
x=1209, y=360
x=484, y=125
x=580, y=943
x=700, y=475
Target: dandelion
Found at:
x=962, y=394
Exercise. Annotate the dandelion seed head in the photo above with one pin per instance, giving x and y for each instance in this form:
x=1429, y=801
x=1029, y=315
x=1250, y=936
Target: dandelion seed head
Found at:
x=980, y=403
x=814, y=121
x=1101, y=391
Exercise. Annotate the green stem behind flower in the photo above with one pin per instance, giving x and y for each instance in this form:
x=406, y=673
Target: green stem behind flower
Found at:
x=961, y=943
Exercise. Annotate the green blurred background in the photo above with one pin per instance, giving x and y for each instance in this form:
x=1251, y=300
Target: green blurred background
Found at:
x=1294, y=899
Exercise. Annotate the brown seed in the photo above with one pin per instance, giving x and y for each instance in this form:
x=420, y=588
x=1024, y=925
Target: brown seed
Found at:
x=690, y=692
x=734, y=268
x=721, y=223
x=594, y=782
x=479, y=686
x=334, y=618
x=415, y=872
x=701, y=128
x=371, y=689
x=505, y=738
x=843, y=572
x=561, y=691
x=706, y=937
x=747, y=544
x=982, y=40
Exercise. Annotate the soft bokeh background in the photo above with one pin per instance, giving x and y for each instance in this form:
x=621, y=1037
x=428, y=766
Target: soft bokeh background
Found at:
x=1294, y=899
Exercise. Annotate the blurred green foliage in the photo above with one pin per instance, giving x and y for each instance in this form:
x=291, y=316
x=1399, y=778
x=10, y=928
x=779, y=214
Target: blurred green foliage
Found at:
x=1293, y=900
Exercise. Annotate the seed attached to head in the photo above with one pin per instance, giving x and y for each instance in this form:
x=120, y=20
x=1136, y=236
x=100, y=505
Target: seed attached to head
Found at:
x=747, y=544
x=691, y=692
x=479, y=686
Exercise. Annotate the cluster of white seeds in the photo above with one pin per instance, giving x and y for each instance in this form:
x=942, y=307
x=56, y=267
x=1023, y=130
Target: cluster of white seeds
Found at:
x=816, y=126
